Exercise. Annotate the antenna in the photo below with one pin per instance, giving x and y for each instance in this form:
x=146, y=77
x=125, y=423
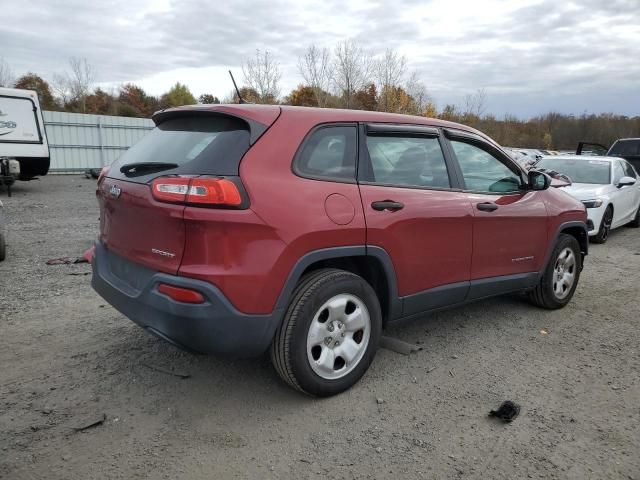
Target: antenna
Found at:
x=240, y=99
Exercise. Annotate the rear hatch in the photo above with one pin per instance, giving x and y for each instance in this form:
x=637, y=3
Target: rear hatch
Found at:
x=135, y=222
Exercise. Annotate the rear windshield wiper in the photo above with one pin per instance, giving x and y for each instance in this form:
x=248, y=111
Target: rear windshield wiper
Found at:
x=133, y=169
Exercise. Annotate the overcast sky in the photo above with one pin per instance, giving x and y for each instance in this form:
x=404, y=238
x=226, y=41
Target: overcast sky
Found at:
x=531, y=56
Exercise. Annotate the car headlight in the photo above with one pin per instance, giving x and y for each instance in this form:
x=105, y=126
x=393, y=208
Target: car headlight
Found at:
x=592, y=203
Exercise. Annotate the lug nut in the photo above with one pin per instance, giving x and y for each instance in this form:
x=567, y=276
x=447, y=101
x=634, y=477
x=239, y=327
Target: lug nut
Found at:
x=330, y=328
x=343, y=334
x=337, y=343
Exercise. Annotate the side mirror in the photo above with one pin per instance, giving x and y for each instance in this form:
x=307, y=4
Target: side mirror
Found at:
x=538, y=180
x=626, y=182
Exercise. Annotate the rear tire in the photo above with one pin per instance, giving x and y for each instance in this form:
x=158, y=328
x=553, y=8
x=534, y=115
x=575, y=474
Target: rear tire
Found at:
x=605, y=226
x=330, y=333
x=560, y=277
x=635, y=223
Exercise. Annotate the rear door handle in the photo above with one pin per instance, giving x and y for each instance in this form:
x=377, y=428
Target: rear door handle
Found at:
x=387, y=205
x=487, y=206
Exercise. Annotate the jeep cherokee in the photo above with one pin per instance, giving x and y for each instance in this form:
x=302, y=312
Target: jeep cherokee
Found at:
x=232, y=229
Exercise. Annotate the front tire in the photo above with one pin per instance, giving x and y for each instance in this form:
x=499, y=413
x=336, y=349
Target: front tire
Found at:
x=605, y=226
x=330, y=333
x=560, y=277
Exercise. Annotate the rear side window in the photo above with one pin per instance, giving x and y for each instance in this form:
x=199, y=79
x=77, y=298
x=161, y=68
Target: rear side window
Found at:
x=199, y=145
x=329, y=153
x=407, y=161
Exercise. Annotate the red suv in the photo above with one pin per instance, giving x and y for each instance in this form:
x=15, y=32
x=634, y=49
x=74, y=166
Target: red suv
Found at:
x=234, y=228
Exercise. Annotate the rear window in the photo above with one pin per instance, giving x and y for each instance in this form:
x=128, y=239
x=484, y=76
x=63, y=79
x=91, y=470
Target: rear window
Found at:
x=625, y=147
x=202, y=145
x=579, y=171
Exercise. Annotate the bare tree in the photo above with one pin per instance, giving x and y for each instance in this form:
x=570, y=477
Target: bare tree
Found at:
x=6, y=74
x=475, y=104
x=352, y=67
x=418, y=91
x=75, y=85
x=389, y=72
x=263, y=74
x=315, y=68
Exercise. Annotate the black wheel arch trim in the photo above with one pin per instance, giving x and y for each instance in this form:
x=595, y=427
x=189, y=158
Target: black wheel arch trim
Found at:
x=394, y=308
x=563, y=228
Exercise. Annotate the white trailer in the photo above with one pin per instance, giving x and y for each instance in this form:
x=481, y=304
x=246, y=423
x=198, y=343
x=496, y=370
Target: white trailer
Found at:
x=24, y=151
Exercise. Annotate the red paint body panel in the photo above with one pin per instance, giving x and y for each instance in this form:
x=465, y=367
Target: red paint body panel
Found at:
x=429, y=240
x=512, y=239
x=134, y=224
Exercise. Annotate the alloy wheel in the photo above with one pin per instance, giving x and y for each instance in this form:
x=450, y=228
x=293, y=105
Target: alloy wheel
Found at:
x=564, y=273
x=338, y=336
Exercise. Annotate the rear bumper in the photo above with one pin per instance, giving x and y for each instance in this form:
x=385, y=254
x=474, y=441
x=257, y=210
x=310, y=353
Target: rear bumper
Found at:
x=211, y=327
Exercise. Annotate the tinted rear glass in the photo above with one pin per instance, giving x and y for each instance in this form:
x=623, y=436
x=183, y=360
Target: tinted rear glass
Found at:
x=625, y=147
x=579, y=171
x=202, y=145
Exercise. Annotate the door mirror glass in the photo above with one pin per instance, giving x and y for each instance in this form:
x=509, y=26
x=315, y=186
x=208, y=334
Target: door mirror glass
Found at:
x=625, y=182
x=539, y=180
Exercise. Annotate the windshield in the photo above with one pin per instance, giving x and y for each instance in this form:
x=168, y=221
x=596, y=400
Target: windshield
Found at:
x=197, y=145
x=580, y=171
x=625, y=147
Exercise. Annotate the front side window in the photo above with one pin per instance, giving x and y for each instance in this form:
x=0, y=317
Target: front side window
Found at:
x=407, y=161
x=482, y=172
x=329, y=152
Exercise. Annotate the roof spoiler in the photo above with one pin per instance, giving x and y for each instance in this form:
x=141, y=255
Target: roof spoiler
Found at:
x=256, y=129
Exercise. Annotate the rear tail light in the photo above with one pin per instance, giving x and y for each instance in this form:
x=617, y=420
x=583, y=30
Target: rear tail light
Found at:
x=179, y=294
x=206, y=191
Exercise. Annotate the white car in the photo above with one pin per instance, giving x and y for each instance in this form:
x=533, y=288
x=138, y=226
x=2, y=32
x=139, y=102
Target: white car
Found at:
x=608, y=186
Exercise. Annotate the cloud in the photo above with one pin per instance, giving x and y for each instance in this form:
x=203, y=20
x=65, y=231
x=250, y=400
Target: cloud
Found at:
x=529, y=55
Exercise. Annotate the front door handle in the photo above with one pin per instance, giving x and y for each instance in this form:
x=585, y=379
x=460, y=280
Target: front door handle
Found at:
x=487, y=206
x=387, y=205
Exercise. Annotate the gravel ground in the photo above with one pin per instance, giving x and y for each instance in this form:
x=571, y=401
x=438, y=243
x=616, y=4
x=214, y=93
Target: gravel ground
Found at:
x=69, y=360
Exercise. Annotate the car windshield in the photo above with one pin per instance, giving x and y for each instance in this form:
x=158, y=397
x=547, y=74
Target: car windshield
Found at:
x=625, y=147
x=580, y=171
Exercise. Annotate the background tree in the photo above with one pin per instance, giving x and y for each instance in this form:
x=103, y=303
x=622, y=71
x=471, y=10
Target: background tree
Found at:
x=177, y=96
x=366, y=98
x=389, y=71
x=351, y=70
x=101, y=102
x=303, y=96
x=475, y=105
x=6, y=75
x=73, y=86
x=31, y=81
x=423, y=101
x=262, y=74
x=141, y=104
x=315, y=68
x=207, y=98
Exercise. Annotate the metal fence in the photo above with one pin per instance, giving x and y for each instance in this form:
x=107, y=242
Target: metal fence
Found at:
x=78, y=141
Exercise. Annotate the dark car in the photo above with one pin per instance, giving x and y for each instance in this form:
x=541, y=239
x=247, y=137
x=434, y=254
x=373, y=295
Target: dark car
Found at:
x=627, y=148
x=233, y=229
